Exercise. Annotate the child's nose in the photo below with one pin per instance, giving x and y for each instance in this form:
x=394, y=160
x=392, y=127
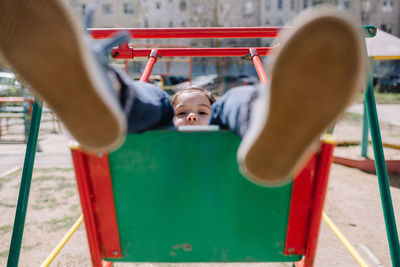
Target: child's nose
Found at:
x=191, y=117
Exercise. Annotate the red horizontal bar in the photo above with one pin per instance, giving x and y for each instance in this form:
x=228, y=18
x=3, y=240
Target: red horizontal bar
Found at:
x=210, y=32
x=15, y=99
x=190, y=52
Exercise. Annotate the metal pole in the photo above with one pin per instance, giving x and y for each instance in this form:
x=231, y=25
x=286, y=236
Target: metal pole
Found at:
x=149, y=66
x=381, y=172
x=365, y=125
x=258, y=65
x=20, y=214
x=365, y=133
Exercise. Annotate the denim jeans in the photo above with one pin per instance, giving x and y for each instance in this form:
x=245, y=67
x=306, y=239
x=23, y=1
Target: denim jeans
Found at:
x=148, y=107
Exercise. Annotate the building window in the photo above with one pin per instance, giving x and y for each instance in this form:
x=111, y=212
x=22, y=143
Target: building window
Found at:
x=280, y=4
x=267, y=4
x=347, y=4
x=317, y=2
x=129, y=8
x=292, y=4
x=386, y=27
x=387, y=6
x=106, y=9
x=171, y=24
x=305, y=5
x=248, y=8
x=183, y=24
x=198, y=9
x=83, y=9
x=365, y=5
x=182, y=5
x=158, y=5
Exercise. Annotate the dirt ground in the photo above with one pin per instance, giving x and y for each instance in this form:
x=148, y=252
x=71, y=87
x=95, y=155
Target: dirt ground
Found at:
x=353, y=202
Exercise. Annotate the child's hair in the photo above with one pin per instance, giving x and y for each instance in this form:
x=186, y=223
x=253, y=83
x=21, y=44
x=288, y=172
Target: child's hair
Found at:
x=207, y=93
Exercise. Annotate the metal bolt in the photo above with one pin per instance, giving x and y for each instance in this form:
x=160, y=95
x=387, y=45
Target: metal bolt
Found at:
x=115, y=253
x=371, y=29
x=291, y=250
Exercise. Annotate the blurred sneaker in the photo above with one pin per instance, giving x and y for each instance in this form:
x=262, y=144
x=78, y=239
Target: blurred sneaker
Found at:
x=42, y=42
x=318, y=67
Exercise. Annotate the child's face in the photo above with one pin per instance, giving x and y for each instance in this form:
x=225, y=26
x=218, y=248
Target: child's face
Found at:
x=192, y=108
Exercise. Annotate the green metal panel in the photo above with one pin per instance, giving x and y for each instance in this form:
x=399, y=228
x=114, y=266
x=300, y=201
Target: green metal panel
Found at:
x=381, y=172
x=181, y=200
x=24, y=188
x=369, y=31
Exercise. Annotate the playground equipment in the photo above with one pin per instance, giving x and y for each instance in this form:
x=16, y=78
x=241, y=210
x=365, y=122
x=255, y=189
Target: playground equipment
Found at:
x=382, y=47
x=135, y=211
x=16, y=112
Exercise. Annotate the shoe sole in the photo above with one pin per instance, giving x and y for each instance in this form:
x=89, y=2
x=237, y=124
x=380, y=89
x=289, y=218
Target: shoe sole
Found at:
x=308, y=90
x=43, y=44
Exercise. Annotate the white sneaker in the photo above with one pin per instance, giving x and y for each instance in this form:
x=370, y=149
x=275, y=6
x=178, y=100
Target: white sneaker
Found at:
x=319, y=65
x=43, y=44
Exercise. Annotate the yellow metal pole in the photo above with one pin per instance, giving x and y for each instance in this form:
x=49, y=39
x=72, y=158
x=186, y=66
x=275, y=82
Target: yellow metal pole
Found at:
x=344, y=241
x=62, y=243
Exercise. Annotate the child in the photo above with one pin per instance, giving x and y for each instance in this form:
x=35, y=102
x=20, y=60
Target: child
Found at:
x=192, y=106
x=318, y=67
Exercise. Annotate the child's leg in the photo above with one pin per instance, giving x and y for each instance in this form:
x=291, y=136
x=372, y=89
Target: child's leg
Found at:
x=319, y=66
x=232, y=111
x=145, y=105
x=43, y=44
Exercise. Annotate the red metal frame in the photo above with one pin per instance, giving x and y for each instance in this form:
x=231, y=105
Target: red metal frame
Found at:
x=317, y=206
x=129, y=53
x=207, y=32
x=309, y=187
x=300, y=207
x=93, y=179
x=14, y=99
x=255, y=57
x=81, y=173
x=149, y=66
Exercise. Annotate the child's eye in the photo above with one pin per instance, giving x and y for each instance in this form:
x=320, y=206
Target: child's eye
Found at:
x=202, y=113
x=181, y=113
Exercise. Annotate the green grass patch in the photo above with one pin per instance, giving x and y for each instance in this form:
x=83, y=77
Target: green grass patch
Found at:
x=4, y=253
x=65, y=185
x=6, y=205
x=49, y=170
x=354, y=117
x=48, y=200
x=69, y=194
x=30, y=247
x=65, y=222
x=44, y=178
x=37, y=207
x=8, y=178
x=74, y=208
x=5, y=229
x=381, y=98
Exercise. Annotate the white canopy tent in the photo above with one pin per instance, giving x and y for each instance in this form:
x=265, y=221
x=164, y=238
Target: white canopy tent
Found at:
x=384, y=46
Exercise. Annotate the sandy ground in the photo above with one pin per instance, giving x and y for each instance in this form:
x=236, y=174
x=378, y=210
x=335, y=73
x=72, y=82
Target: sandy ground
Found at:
x=353, y=202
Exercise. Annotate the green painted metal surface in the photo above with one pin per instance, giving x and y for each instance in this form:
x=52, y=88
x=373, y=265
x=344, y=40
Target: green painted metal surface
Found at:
x=370, y=31
x=181, y=200
x=381, y=171
x=23, y=197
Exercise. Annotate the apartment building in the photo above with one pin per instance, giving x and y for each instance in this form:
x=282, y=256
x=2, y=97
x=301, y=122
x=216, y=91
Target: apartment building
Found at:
x=112, y=13
x=385, y=14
